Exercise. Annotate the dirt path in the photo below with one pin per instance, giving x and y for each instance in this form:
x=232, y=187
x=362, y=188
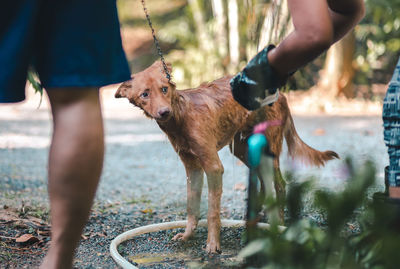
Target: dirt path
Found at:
x=143, y=180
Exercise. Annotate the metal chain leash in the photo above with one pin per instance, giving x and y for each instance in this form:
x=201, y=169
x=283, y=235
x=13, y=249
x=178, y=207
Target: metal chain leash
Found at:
x=156, y=41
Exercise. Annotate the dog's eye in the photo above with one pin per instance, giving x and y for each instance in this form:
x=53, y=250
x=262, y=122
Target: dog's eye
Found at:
x=164, y=90
x=144, y=95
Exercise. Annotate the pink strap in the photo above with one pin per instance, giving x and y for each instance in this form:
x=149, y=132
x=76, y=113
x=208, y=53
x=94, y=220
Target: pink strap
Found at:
x=262, y=127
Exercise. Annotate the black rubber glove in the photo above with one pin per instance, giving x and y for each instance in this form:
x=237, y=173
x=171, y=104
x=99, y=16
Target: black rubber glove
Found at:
x=255, y=82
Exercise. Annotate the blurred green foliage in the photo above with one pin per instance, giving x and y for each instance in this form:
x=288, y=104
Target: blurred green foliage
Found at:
x=175, y=24
x=378, y=41
x=192, y=63
x=377, y=37
x=304, y=244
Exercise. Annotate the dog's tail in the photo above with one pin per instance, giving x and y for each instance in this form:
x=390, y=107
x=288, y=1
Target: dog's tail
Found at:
x=297, y=148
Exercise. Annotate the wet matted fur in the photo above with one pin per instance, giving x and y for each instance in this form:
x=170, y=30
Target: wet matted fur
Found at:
x=201, y=121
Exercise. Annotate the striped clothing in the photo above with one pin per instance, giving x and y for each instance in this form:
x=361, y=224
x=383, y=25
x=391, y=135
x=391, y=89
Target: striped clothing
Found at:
x=391, y=124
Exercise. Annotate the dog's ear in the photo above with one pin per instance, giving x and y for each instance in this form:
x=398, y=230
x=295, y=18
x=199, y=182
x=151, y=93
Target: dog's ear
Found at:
x=123, y=89
x=172, y=83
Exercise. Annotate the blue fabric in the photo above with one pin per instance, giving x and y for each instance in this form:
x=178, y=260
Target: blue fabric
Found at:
x=391, y=124
x=70, y=43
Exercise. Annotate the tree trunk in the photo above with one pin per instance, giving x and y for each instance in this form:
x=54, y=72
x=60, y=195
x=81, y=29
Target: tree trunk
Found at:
x=220, y=28
x=233, y=16
x=205, y=41
x=337, y=75
x=276, y=24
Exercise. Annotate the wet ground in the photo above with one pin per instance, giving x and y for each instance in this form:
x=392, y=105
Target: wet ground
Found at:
x=143, y=180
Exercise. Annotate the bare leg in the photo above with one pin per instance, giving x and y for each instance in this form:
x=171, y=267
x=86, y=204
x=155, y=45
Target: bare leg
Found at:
x=75, y=164
x=317, y=25
x=194, y=186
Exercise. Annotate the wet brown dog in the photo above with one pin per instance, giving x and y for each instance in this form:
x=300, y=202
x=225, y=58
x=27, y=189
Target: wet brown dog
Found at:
x=201, y=121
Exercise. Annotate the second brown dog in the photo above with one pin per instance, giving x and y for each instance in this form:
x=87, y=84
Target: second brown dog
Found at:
x=201, y=121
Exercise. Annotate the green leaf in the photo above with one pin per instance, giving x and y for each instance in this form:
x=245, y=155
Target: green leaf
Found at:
x=35, y=84
x=254, y=247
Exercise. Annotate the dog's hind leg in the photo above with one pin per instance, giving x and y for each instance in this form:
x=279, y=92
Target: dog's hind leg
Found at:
x=280, y=190
x=239, y=149
x=274, y=136
x=194, y=177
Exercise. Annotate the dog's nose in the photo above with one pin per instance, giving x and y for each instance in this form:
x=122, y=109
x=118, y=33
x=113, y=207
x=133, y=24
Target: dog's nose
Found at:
x=163, y=112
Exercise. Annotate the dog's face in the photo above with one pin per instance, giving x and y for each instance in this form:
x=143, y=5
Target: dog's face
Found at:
x=151, y=91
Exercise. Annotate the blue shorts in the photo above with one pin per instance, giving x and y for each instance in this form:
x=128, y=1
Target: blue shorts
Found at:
x=70, y=43
x=391, y=124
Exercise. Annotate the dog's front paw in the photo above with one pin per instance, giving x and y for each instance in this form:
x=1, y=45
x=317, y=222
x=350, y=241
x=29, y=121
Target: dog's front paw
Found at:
x=182, y=236
x=213, y=247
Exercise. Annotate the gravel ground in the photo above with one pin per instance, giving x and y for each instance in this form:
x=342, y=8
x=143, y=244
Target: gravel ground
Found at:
x=159, y=251
x=143, y=181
